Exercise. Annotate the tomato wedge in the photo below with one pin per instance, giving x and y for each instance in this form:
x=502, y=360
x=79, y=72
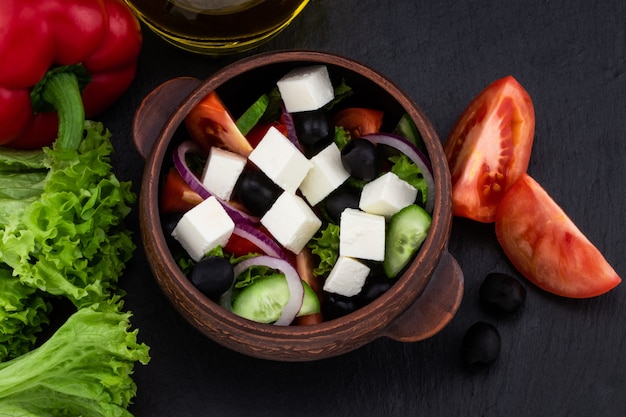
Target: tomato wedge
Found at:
x=210, y=124
x=359, y=121
x=489, y=148
x=544, y=244
x=177, y=196
x=258, y=132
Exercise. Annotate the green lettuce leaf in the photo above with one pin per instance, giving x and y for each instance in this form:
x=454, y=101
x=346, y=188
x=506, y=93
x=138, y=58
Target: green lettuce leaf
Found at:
x=406, y=170
x=325, y=244
x=71, y=240
x=84, y=369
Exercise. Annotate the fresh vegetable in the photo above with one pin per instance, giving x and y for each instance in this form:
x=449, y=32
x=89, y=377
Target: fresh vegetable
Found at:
x=100, y=39
x=481, y=346
x=502, y=293
x=545, y=245
x=489, y=148
x=84, y=368
x=176, y=195
x=61, y=230
x=210, y=124
x=359, y=121
x=407, y=231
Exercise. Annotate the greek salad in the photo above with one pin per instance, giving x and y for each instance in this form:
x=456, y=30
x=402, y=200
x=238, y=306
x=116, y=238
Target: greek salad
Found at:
x=300, y=210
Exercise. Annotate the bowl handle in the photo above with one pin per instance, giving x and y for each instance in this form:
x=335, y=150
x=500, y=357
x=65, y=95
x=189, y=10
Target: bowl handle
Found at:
x=434, y=308
x=156, y=108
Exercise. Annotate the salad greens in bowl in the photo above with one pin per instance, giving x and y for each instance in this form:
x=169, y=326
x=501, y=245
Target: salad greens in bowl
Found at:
x=296, y=205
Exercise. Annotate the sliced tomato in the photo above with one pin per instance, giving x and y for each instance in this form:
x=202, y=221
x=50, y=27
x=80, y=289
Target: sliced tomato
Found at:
x=545, y=245
x=359, y=121
x=176, y=195
x=257, y=132
x=489, y=148
x=240, y=246
x=210, y=124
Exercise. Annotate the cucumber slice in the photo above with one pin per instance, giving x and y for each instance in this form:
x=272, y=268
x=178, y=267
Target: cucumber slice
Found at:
x=263, y=301
x=406, y=232
x=407, y=129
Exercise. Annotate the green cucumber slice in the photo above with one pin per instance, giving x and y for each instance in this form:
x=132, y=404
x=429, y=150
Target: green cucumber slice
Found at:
x=406, y=232
x=264, y=300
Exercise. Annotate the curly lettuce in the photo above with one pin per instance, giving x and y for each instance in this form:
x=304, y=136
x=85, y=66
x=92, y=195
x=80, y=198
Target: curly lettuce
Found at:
x=84, y=369
x=325, y=244
x=61, y=232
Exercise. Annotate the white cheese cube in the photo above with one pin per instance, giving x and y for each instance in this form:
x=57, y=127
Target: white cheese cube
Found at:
x=291, y=221
x=203, y=228
x=280, y=160
x=326, y=175
x=347, y=277
x=306, y=88
x=387, y=195
x=221, y=172
x=362, y=235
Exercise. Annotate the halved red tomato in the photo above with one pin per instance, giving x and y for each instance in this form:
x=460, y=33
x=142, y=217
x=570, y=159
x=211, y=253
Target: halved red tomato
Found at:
x=489, y=148
x=544, y=244
x=359, y=121
x=176, y=195
x=210, y=124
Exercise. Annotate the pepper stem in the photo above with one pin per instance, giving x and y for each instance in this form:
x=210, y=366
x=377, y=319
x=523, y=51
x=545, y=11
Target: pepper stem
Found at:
x=62, y=91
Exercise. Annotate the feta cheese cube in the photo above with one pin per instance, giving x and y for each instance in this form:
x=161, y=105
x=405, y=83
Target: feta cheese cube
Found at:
x=387, y=195
x=306, y=88
x=221, y=172
x=291, y=221
x=280, y=160
x=362, y=235
x=203, y=228
x=325, y=176
x=347, y=277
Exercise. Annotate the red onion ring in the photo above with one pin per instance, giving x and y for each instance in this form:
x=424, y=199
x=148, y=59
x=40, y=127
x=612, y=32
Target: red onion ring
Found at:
x=264, y=242
x=291, y=128
x=294, y=283
x=190, y=178
x=415, y=155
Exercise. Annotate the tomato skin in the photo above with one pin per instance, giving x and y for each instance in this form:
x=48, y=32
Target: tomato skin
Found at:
x=489, y=148
x=359, y=121
x=543, y=243
x=210, y=124
x=239, y=246
x=177, y=196
x=258, y=132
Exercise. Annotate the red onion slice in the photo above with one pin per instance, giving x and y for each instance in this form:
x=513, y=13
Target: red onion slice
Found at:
x=181, y=165
x=294, y=283
x=415, y=155
x=261, y=240
x=291, y=128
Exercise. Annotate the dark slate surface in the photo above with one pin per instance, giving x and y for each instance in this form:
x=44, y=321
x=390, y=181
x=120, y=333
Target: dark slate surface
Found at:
x=559, y=357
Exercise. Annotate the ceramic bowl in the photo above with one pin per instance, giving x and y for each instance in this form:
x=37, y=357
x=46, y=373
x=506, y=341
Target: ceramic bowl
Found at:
x=421, y=302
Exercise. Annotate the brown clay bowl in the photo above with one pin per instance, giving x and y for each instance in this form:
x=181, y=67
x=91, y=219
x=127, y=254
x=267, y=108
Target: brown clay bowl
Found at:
x=422, y=301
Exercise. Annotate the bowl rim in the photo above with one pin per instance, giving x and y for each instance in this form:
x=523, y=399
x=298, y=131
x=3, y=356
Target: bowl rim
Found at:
x=359, y=327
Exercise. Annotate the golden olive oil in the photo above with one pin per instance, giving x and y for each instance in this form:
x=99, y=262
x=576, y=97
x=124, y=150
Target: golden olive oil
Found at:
x=217, y=27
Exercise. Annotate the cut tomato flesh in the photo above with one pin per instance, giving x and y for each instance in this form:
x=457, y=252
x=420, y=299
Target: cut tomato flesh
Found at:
x=489, y=148
x=545, y=245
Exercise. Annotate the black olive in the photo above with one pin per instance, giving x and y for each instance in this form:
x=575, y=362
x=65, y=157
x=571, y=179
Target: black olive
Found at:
x=213, y=275
x=343, y=197
x=361, y=159
x=256, y=191
x=335, y=306
x=375, y=286
x=481, y=346
x=314, y=130
x=502, y=293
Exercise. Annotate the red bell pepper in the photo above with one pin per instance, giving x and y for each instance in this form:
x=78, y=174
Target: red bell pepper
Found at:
x=98, y=39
